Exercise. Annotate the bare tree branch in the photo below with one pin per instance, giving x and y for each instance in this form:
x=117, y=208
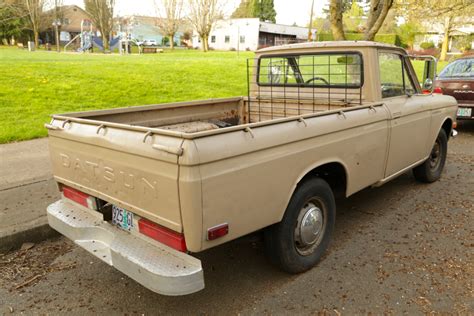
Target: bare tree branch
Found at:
x=203, y=14
x=102, y=14
x=170, y=13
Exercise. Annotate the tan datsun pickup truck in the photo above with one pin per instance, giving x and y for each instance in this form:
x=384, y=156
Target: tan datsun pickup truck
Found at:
x=143, y=188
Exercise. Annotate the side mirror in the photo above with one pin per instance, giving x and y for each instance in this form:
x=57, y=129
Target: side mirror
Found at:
x=428, y=84
x=429, y=73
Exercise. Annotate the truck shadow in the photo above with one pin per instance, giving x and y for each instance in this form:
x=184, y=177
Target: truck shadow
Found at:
x=237, y=273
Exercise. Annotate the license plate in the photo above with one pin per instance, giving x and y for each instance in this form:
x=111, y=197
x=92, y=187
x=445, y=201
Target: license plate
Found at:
x=464, y=112
x=122, y=218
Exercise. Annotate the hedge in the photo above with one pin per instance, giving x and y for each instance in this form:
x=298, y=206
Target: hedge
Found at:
x=393, y=39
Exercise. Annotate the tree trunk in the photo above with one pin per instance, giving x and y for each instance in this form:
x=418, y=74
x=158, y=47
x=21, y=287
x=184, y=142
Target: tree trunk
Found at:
x=335, y=17
x=445, y=46
x=205, y=44
x=36, y=37
x=171, y=38
x=58, y=48
x=105, y=42
x=310, y=27
x=378, y=15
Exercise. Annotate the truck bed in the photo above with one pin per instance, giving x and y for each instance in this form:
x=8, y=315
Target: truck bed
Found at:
x=207, y=115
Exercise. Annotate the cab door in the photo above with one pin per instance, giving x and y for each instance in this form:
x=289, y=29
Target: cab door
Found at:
x=410, y=115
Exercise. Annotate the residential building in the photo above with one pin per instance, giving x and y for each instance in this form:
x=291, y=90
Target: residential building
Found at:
x=141, y=28
x=71, y=19
x=435, y=34
x=251, y=34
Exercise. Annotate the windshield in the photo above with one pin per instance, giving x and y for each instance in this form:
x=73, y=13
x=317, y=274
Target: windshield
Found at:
x=459, y=68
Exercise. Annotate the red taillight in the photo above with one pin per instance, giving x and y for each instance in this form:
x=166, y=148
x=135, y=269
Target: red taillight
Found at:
x=438, y=90
x=217, y=231
x=79, y=197
x=162, y=234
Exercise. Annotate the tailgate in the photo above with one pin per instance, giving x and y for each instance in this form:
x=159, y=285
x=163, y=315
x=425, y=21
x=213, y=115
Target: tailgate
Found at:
x=120, y=166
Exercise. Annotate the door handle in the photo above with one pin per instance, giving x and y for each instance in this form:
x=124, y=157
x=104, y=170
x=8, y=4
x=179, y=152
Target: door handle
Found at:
x=396, y=114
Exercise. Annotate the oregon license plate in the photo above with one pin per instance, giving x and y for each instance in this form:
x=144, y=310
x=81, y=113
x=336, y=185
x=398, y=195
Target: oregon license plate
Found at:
x=122, y=218
x=464, y=112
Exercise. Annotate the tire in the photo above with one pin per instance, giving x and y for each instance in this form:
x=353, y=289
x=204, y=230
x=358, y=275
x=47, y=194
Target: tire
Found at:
x=295, y=247
x=430, y=171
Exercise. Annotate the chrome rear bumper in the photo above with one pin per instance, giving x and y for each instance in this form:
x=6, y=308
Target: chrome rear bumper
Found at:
x=155, y=266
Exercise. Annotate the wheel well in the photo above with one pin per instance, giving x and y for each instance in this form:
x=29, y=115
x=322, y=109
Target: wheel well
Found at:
x=333, y=173
x=447, y=126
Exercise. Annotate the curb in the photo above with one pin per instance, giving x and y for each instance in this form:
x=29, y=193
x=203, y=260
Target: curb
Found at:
x=36, y=235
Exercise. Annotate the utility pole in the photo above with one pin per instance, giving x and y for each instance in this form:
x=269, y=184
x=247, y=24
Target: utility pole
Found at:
x=310, y=27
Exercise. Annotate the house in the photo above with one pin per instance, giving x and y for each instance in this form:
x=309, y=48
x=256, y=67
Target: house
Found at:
x=140, y=28
x=71, y=17
x=251, y=34
x=435, y=34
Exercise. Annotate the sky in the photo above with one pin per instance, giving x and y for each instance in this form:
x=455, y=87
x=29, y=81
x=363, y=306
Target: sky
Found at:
x=288, y=11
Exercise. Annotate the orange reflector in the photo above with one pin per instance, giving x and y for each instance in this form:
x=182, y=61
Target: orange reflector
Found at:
x=79, y=197
x=162, y=234
x=217, y=231
x=455, y=124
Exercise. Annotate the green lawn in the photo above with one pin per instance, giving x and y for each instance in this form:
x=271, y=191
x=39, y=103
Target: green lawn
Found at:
x=35, y=85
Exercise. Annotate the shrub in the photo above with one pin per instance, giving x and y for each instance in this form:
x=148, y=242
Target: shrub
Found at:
x=393, y=39
x=464, y=43
x=427, y=45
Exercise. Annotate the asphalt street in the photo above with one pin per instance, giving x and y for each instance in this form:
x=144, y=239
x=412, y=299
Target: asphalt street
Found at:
x=405, y=247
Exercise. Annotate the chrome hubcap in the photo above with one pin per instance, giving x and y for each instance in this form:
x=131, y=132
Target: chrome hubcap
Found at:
x=310, y=228
x=435, y=155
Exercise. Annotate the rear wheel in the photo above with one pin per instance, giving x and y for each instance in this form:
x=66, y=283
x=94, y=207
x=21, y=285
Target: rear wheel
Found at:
x=430, y=170
x=298, y=242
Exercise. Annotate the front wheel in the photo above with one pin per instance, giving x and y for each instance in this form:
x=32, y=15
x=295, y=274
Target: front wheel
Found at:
x=298, y=242
x=430, y=170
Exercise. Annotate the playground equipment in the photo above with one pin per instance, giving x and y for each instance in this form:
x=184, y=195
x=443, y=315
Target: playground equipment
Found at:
x=88, y=41
x=86, y=36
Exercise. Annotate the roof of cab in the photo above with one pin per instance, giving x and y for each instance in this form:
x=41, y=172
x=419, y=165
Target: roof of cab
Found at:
x=335, y=44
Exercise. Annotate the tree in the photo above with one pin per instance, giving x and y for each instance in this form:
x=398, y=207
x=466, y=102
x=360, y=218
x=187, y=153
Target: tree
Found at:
x=310, y=25
x=377, y=13
x=265, y=10
x=336, y=9
x=407, y=32
x=169, y=18
x=203, y=14
x=449, y=13
x=12, y=20
x=102, y=14
x=246, y=9
x=35, y=11
x=353, y=17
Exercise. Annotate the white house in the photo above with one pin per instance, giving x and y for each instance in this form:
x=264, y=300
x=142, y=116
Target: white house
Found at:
x=435, y=33
x=251, y=34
